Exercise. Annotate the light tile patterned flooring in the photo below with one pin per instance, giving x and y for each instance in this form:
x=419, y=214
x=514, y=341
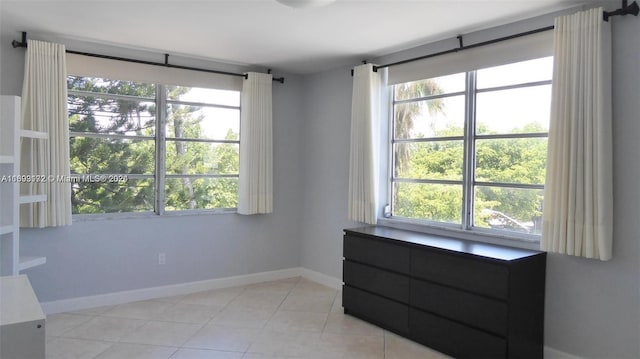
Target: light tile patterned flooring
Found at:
x=291, y=318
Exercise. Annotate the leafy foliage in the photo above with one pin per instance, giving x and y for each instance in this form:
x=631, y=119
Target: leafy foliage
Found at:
x=116, y=135
x=511, y=161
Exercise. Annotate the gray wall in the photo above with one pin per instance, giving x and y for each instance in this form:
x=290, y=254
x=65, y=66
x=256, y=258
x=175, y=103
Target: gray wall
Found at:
x=95, y=257
x=327, y=106
x=592, y=307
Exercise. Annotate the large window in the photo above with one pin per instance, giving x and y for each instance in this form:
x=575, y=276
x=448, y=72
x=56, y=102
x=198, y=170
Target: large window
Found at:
x=137, y=147
x=469, y=149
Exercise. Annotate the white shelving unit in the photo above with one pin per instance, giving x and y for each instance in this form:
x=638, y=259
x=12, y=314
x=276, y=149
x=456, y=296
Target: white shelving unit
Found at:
x=33, y=134
x=6, y=159
x=11, y=135
x=22, y=322
x=32, y=199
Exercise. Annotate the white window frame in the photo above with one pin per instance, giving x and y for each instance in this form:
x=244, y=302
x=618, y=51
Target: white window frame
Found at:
x=161, y=173
x=469, y=163
x=160, y=139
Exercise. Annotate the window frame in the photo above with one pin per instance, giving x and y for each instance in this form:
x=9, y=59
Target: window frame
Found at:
x=160, y=144
x=468, y=182
x=160, y=195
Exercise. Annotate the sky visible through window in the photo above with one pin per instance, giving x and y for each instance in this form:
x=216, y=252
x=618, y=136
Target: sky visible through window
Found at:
x=216, y=121
x=516, y=107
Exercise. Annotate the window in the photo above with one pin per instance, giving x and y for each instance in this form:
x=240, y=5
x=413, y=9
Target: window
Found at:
x=128, y=156
x=469, y=149
x=202, y=148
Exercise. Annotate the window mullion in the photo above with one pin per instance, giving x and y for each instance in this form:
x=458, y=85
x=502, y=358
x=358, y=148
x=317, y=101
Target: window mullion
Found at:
x=391, y=159
x=161, y=105
x=469, y=150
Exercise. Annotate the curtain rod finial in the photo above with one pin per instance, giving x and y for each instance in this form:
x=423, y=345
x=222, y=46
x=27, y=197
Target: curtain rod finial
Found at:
x=22, y=43
x=632, y=9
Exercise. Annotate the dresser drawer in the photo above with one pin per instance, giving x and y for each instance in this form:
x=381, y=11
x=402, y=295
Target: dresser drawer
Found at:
x=378, y=253
x=481, y=312
x=461, y=272
x=453, y=338
x=387, y=284
x=378, y=310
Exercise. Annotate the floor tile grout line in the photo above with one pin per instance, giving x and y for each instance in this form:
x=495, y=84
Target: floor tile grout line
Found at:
x=217, y=312
x=119, y=340
x=174, y=353
x=75, y=326
x=244, y=289
x=83, y=339
x=290, y=292
x=384, y=344
x=89, y=339
x=105, y=349
x=191, y=336
x=264, y=326
x=326, y=321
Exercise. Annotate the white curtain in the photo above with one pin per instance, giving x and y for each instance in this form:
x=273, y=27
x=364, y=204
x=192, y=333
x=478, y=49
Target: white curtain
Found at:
x=44, y=108
x=578, y=208
x=256, y=147
x=364, y=155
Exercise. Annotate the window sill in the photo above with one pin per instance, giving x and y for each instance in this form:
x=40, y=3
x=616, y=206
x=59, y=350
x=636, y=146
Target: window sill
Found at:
x=478, y=236
x=148, y=215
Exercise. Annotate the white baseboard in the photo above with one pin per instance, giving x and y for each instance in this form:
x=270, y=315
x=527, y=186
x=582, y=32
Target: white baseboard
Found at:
x=321, y=278
x=551, y=353
x=73, y=304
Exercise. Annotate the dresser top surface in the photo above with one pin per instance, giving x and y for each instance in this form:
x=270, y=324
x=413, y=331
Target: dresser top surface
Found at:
x=451, y=244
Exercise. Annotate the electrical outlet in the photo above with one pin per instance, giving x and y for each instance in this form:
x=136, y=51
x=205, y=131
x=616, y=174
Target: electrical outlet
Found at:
x=162, y=258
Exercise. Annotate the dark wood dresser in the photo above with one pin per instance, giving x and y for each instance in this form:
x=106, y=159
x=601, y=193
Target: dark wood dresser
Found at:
x=463, y=298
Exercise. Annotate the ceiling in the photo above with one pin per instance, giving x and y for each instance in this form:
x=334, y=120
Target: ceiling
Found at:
x=267, y=33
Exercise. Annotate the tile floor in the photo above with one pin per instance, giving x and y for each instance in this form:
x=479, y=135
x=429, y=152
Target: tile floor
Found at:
x=291, y=318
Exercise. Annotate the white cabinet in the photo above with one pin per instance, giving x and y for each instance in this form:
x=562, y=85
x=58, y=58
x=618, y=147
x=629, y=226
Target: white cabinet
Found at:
x=22, y=322
x=11, y=135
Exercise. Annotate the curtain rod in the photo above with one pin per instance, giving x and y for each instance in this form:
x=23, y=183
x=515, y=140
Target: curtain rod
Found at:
x=462, y=47
x=166, y=63
x=626, y=9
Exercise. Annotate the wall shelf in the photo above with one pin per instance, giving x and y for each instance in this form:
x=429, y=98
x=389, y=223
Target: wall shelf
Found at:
x=6, y=229
x=12, y=261
x=4, y=159
x=33, y=199
x=33, y=134
x=30, y=262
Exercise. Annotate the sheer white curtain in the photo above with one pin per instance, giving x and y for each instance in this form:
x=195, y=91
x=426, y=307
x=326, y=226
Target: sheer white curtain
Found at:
x=578, y=208
x=364, y=155
x=44, y=108
x=256, y=148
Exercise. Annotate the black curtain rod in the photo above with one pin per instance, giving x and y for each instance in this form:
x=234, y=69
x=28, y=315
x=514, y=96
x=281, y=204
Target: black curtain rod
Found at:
x=166, y=63
x=626, y=9
x=462, y=47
